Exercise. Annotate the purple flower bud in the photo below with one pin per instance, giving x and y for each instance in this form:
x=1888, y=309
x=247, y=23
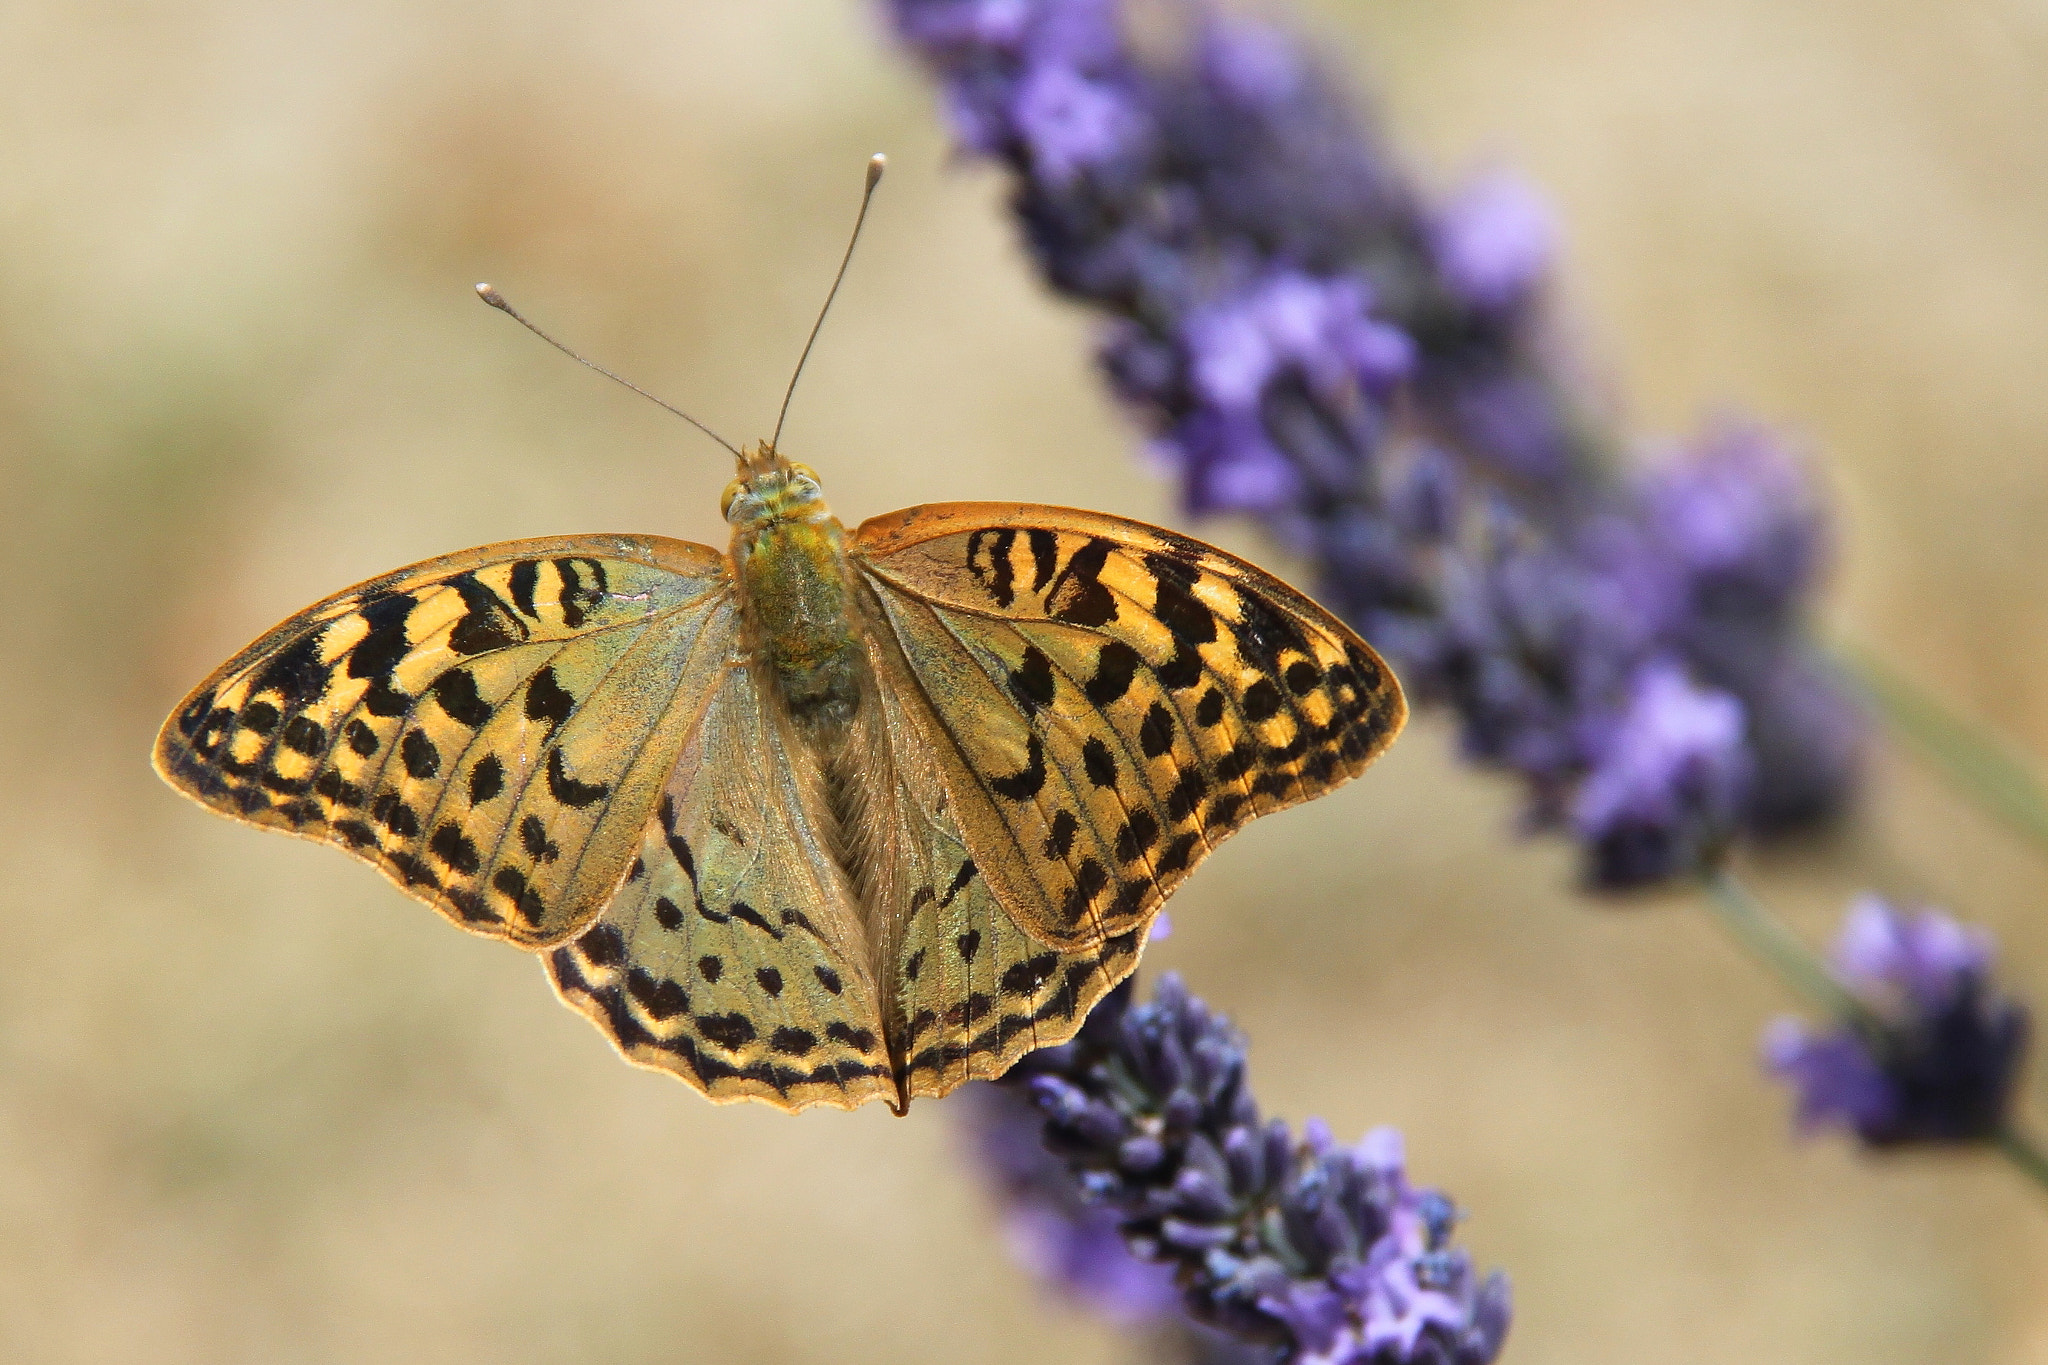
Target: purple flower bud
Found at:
x=1667, y=788
x=1073, y=123
x=1937, y=1055
x=1493, y=241
x=1736, y=512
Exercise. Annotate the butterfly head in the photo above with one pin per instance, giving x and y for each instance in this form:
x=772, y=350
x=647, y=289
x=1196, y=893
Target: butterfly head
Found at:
x=771, y=489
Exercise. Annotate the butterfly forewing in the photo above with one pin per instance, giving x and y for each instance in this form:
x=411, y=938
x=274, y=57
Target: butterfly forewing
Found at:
x=733, y=955
x=490, y=728
x=1114, y=699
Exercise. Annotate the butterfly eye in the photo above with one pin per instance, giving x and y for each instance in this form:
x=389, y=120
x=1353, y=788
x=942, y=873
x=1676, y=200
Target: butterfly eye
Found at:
x=805, y=470
x=732, y=490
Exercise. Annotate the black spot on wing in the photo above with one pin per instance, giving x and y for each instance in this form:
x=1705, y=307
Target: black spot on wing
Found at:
x=662, y=999
x=1137, y=837
x=511, y=884
x=384, y=643
x=385, y=700
x=547, y=700
x=574, y=598
x=1183, y=670
x=729, y=1031
x=1261, y=700
x=419, y=755
x=1155, y=736
x=533, y=837
x=959, y=883
x=1025, y=977
x=1098, y=762
x=567, y=790
x=1177, y=856
x=486, y=779
x=1028, y=781
x=1175, y=603
x=1302, y=677
x=859, y=1039
x=1078, y=596
x=1059, y=840
x=1115, y=666
x=456, y=691
x=303, y=735
x=1186, y=795
x=792, y=1042
x=604, y=945
x=296, y=673
x=362, y=740
x=1264, y=632
x=455, y=849
x=747, y=914
x=1031, y=682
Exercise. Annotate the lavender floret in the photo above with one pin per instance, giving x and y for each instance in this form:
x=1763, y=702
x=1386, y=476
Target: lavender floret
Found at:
x=1934, y=1057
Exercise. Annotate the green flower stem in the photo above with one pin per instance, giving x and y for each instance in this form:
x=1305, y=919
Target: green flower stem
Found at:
x=2024, y=1152
x=1980, y=763
x=1764, y=934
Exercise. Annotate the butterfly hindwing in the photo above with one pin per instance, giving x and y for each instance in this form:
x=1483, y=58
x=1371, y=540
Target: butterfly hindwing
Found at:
x=970, y=990
x=1114, y=699
x=489, y=728
x=733, y=955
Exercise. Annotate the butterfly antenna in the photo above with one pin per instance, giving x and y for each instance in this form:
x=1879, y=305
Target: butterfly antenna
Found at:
x=491, y=296
x=876, y=165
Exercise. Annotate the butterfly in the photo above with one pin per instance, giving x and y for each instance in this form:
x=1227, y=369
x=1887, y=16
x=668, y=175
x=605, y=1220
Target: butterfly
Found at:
x=828, y=818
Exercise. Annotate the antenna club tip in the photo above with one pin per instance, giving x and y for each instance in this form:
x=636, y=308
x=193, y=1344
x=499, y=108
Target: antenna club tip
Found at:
x=876, y=165
x=489, y=294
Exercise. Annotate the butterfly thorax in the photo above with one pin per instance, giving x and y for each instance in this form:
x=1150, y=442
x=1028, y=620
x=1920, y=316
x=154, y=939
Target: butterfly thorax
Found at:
x=789, y=560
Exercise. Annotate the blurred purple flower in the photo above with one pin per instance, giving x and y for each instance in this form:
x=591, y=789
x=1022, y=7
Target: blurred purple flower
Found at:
x=1073, y=122
x=1324, y=1251
x=1310, y=341
x=1936, y=1054
x=1667, y=787
x=1493, y=242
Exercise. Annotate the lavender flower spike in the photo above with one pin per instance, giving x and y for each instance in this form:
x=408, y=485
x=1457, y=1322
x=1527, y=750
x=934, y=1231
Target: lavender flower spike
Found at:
x=1326, y=1252
x=1937, y=1055
x=1308, y=339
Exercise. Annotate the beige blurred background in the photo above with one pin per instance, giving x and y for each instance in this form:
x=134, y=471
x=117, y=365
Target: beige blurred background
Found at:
x=256, y=1106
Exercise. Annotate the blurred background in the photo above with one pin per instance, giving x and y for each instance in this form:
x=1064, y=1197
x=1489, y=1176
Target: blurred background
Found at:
x=256, y=1106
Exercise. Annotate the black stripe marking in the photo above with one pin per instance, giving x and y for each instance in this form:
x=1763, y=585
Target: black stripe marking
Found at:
x=1045, y=547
